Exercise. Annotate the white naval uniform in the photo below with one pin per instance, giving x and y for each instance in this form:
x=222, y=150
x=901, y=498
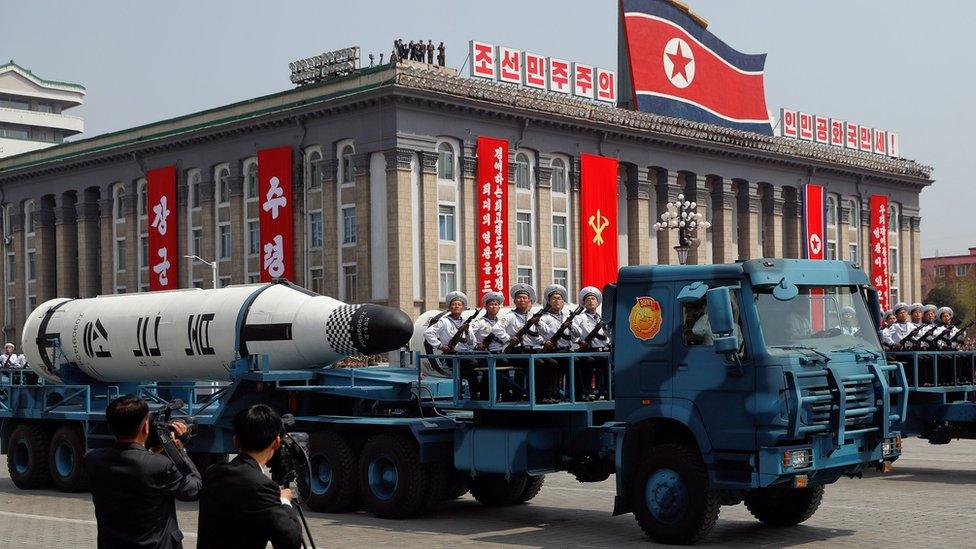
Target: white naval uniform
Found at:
x=12, y=361
x=483, y=326
x=514, y=322
x=892, y=335
x=584, y=323
x=548, y=326
x=441, y=332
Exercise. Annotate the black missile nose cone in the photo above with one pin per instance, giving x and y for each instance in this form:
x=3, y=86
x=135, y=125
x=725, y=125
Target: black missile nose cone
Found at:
x=377, y=329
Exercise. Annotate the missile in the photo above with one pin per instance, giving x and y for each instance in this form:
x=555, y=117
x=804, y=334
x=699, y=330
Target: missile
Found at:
x=196, y=334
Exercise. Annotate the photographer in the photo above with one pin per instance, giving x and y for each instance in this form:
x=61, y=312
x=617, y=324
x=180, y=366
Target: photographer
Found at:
x=134, y=490
x=240, y=506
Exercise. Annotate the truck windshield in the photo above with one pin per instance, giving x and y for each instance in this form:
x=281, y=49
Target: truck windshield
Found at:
x=820, y=319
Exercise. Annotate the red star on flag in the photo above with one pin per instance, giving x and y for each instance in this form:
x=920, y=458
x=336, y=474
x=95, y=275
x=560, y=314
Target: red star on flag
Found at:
x=680, y=63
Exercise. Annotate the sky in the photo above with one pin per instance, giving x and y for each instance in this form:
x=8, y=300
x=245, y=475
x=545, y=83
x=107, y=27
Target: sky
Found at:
x=895, y=64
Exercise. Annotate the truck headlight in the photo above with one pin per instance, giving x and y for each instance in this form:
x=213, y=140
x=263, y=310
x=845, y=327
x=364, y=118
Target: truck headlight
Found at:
x=798, y=459
x=890, y=446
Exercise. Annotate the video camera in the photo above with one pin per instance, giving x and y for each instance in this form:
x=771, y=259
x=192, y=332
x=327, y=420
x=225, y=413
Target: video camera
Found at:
x=290, y=464
x=160, y=427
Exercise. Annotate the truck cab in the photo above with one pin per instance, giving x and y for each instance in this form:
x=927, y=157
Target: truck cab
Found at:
x=743, y=382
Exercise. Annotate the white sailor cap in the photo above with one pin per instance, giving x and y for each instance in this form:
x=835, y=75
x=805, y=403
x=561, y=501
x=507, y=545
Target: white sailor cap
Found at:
x=555, y=289
x=900, y=306
x=492, y=296
x=944, y=310
x=459, y=296
x=522, y=288
x=847, y=311
x=888, y=313
x=928, y=308
x=591, y=291
x=914, y=307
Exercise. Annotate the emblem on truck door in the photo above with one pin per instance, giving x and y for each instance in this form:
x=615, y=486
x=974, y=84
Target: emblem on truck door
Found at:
x=645, y=318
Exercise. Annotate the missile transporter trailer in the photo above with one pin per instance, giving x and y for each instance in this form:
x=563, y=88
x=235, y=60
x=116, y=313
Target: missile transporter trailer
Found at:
x=711, y=400
x=941, y=394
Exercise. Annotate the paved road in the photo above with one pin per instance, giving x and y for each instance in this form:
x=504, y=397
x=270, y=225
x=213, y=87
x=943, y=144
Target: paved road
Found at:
x=927, y=501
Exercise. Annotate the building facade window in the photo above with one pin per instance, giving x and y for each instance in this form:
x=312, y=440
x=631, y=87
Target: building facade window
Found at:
x=445, y=161
x=350, y=278
x=315, y=229
x=251, y=180
x=852, y=252
x=561, y=277
x=448, y=278
x=831, y=229
x=9, y=311
x=445, y=223
x=559, y=241
x=854, y=215
x=30, y=220
x=962, y=270
x=940, y=271
x=253, y=278
x=347, y=177
x=223, y=281
x=11, y=268
x=524, y=275
x=559, y=176
x=144, y=251
x=223, y=185
x=120, y=254
x=253, y=237
x=316, y=278
x=523, y=229
x=894, y=243
x=348, y=224
x=522, y=180
x=143, y=198
x=313, y=171
x=31, y=265
x=197, y=242
x=194, y=190
x=225, y=242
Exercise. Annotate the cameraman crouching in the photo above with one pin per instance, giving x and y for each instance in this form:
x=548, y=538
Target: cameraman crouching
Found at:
x=240, y=506
x=134, y=490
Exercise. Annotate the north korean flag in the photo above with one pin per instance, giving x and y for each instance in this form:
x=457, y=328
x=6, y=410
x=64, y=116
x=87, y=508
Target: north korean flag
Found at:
x=679, y=69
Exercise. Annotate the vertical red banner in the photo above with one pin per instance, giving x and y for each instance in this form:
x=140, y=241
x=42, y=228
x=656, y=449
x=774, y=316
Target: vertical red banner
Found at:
x=598, y=220
x=164, y=257
x=275, y=214
x=878, y=205
x=814, y=221
x=492, y=216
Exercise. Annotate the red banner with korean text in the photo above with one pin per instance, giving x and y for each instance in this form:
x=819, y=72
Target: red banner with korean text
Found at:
x=813, y=200
x=492, y=216
x=275, y=213
x=598, y=220
x=164, y=257
x=879, y=249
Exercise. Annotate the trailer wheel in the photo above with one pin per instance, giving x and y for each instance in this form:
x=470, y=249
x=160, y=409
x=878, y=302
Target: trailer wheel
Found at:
x=494, y=489
x=670, y=496
x=391, y=477
x=784, y=506
x=27, y=457
x=65, y=458
x=333, y=462
x=533, y=485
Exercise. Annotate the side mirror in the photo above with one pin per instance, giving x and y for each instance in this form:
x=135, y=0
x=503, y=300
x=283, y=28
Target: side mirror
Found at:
x=692, y=292
x=726, y=344
x=785, y=291
x=609, y=304
x=720, y=311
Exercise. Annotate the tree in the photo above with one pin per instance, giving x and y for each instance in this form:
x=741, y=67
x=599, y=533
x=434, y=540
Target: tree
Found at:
x=943, y=297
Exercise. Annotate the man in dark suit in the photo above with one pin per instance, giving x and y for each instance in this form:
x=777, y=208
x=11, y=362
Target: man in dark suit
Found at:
x=134, y=489
x=240, y=507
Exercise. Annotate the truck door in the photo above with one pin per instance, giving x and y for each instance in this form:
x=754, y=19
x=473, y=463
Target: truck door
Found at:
x=643, y=331
x=720, y=389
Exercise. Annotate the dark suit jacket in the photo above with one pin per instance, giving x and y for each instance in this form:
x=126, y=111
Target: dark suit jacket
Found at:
x=134, y=492
x=240, y=508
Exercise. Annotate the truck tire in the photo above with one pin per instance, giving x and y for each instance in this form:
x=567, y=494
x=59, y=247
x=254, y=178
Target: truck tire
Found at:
x=333, y=473
x=436, y=477
x=670, y=496
x=391, y=477
x=495, y=490
x=65, y=459
x=533, y=485
x=27, y=457
x=784, y=506
x=457, y=483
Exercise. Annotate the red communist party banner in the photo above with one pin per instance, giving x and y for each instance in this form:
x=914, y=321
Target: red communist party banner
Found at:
x=274, y=191
x=163, y=255
x=492, y=216
x=814, y=221
x=879, y=248
x=598, y=220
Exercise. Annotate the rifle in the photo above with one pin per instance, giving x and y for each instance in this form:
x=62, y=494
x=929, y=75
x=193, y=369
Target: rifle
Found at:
x=946, y=331
x=529, y=323
x=462, y=329
x=961, y=331
x=561, y=332
x=588, y=340
x=928, y=338
x=910, y=340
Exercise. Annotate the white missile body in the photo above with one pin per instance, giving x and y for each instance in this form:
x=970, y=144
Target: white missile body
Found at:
x=196, y=334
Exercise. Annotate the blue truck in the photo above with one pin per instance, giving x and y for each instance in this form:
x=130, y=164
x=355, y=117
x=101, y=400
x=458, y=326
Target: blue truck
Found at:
x=942, y=394
x=726, y=384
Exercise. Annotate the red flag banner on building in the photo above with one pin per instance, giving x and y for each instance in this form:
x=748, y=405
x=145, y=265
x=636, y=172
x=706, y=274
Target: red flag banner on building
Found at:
x=880, y=277
x=679, y=69
x=164, y=259
x=275, y=214
x=598, y=220
x=813, y=218
x=492, y=216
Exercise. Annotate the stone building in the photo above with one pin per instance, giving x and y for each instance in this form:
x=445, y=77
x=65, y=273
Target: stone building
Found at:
x=384, y=192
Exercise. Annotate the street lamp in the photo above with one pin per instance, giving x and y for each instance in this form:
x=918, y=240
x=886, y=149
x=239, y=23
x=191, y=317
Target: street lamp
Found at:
x=683, y=216
x=213, y=266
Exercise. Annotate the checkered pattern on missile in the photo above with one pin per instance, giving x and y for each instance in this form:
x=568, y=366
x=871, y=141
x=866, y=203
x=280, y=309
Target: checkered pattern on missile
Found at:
x=338, y=330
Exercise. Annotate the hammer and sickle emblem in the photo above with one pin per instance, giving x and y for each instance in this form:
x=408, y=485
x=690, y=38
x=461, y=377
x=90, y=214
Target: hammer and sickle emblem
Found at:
x=598, y=222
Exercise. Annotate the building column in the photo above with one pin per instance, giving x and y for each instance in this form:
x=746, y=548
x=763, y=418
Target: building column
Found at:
x=638, y=224
x=668, y=189
x=865, y=229
x=573, y=185
x=429, y=256
x=748, y=197
x=107, y=247
x=20, y=280
x=916, y=265
x=467, y=203
x=209, y=224
x=792, y=225
x=89, y=247
x=400, y=244
x=299, y=220
x=543, y=237
x=46, y=251
x=363, y=227
x=330, y=219
x=774, y=228
x=695, y=190
x=130, y=208
x=182, y=231
x=907, y=281
x=238, y=238
x=66, y=234
x=722, y=225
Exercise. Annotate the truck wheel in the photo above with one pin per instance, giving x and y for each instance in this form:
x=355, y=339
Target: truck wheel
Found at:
x=784, y=506
x=457, y=484
x=333, y=473
x=494, y=489
x=391, y=477
x=436, y=485
x=27, y=457
x=670, y=496
x=65, y=459
x=533, y=485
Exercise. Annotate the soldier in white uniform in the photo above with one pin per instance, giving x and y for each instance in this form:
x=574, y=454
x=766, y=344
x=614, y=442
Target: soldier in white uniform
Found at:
x=591, y=371
x=523, y=296
x=439, y=335
x=893, y=334
x=928, y=314
x=490, y=336
x=556, y=368
x=10, y=358
x=915, y=313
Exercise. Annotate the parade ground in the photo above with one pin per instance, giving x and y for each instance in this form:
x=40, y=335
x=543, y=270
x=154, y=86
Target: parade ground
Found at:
x=926, y=501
